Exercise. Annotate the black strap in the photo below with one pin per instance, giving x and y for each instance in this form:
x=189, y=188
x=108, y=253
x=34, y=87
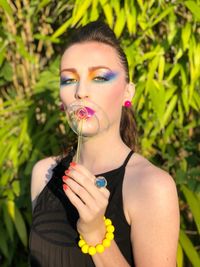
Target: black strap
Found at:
x=127, y=158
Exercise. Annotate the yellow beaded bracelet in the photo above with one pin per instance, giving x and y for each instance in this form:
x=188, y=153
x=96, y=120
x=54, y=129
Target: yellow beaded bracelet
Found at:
x=99, y=248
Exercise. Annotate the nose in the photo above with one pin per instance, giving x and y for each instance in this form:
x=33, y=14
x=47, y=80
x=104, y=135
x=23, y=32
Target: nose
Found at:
x=81, y=91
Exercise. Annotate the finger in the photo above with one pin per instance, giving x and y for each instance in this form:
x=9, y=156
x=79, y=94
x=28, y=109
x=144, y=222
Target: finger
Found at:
x=78, y=171
x=80, y=168
x=80, y=191
x=75, y=200
x=86, y=182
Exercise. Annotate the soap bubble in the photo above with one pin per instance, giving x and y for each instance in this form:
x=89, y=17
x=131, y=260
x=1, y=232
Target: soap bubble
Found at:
x=86, y=118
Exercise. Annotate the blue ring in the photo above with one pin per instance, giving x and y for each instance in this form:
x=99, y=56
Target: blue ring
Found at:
x=100, y=182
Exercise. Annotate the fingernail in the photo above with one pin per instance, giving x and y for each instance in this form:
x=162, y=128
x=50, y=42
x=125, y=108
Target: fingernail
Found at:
x=67, y=171
x=72, y=164
x=65, y=187
x=65, y=177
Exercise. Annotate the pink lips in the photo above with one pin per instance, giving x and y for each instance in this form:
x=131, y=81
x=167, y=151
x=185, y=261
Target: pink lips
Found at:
x=85, y=113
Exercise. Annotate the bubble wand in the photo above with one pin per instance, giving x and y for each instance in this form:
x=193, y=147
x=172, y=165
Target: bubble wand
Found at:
x=82, y=115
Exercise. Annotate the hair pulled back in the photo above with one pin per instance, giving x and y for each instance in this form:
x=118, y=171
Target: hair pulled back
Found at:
x=100, y=32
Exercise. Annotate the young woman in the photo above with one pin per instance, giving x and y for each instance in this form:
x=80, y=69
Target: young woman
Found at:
x=70, y=204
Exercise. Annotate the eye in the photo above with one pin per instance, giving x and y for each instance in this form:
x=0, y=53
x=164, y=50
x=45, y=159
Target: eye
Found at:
x=100, y=79
x=68, y=81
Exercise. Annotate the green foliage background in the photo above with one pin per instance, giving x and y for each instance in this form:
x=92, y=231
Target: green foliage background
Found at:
x=161, y=40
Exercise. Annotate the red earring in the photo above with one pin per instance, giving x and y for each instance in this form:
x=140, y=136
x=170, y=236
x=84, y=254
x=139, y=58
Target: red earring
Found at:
x=62, y=108
x=127, y=104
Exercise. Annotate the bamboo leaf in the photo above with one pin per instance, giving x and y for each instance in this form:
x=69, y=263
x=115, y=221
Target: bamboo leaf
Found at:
x=194, y=8
x=173, y=72
x=185, y=35
x=81, y=11
x=185, y=97
x=194, y=205
x=120, y=23
x=157, y=95
x=94, y=12
x=3, y=243
x=189, y=249
x=169, y=110
x=6, y=7
x=107, y=8
x=162, y=15
x=43, y=3
x=161, y=68
x=18, y=221
x=8, y=222
x=179, y=258
x=62, y=29
x=131, y=16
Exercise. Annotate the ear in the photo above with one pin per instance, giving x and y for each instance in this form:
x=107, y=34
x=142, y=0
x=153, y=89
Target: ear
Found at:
x=129, y=91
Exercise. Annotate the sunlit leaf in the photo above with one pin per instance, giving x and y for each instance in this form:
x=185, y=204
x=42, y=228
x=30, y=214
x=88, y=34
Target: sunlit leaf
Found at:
x=194, y=205
x=189, y=249
x=194, y=8
x=179, y=259
x=18, y=221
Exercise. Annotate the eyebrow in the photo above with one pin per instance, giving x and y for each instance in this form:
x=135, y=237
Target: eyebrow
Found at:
x=90, y=69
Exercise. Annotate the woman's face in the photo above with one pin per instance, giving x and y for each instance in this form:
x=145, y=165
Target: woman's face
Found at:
x=92, y=71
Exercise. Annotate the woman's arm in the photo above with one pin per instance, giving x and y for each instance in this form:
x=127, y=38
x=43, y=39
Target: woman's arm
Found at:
x=41, y=174
x=153, y=212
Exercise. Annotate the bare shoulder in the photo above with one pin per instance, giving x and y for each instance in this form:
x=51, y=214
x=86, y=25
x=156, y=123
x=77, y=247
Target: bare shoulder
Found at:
x=146, y=183
x=41, y=174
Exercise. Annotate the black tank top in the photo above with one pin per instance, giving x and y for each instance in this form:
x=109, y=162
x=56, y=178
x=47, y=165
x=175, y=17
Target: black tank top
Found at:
x=53, y=236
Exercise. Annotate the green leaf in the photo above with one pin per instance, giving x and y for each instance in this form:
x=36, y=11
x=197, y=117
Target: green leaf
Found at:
x=3, y=243
x=120, y=23
x=94, y=12
x=131, y=16
x=162, y=15
x=173, y=72
x=189, y=249
x=8, y=222
x=179, y=258
x=161, y=68
x=107, y=8
x=16, y=187
x=43, y=3
x=169, y=110
x=185, y=97
x=194, y=8
x=6, y=7
x=18, y=221
x=194, y=205
x=185, y=35
x=80, y=12
x=62, y=28
x=157, y=95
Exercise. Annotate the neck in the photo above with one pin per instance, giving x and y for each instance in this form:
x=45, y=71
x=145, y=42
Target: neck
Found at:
x=103, y=152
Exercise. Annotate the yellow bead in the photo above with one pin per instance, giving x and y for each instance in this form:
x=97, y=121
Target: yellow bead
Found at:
x=100, y=248
x=92, y=250
x=108, y=222
x=110, y=236
x=106, y=243
x=110, y=228
x=81, y=243
x=85, y=248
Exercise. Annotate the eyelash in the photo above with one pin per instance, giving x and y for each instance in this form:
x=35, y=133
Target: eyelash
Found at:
x=97, y=79
x=100, y=79
x=68, y=81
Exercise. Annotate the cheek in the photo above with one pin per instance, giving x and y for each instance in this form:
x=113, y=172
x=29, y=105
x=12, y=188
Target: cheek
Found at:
x=113, y=101
x=65, y=96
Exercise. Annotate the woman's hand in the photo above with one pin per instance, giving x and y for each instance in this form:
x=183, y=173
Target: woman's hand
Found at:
x=90, y=201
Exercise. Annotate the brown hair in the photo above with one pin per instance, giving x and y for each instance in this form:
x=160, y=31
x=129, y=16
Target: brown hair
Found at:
x=100, y=32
